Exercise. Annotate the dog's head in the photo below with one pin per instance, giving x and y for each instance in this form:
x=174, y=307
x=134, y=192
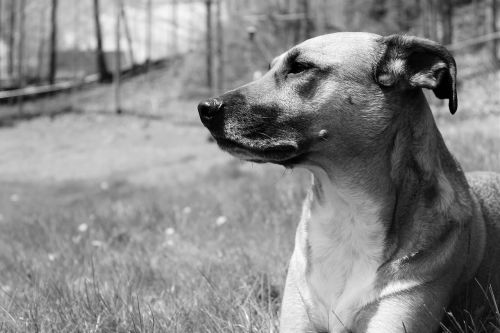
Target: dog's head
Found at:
x=335, y=93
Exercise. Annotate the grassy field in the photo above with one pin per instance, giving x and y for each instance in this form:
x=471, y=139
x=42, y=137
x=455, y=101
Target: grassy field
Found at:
x=206, y=255
x=126, y=224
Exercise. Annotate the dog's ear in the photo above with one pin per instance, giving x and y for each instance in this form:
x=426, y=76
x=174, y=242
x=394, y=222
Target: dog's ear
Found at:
x=418, y=62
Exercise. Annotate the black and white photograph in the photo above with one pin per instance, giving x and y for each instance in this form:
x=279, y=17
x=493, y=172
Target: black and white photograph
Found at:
x=250, y=166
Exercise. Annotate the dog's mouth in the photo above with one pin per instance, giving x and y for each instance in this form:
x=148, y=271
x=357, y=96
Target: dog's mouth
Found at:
x=282, y=151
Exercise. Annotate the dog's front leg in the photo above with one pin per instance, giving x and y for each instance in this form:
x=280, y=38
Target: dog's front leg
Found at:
x=419, y=310
x=294, y=317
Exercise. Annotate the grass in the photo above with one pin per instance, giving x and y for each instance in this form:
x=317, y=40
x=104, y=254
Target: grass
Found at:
x=201, y=254
x=206, y=256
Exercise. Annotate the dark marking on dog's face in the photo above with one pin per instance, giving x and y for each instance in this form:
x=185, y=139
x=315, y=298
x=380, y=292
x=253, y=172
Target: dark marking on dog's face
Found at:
x=326, y=83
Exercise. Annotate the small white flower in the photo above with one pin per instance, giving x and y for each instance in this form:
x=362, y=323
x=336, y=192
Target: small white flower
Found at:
x=104, y=186
x=83, y=227
x=170, y=231
x=96, y=243
x=187, y=210
x=14, y=197
x=170, y=242
x=220, y=220
x=52, y=256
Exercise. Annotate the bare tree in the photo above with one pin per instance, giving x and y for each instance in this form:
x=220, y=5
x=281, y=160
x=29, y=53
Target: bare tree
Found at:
x=102, y=68
x=116, y=76
x=149, y=29
x=41, y=45
x=306, y=22
x=127, y=33
x=1, y=32
x=174, y=27
x=433, y=15
x=20, y=62
x=493, y=8
x=11, y=37
x=220, y=47
x=53, y=42
x=446, y=11
x=20, y=45
x=209, y=59
x=478, y=26
x=321, y=17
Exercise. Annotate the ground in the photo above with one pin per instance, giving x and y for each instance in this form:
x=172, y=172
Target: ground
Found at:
x=137, y=223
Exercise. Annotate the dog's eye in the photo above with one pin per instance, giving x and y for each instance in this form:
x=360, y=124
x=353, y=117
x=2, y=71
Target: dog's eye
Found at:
x=298, y=67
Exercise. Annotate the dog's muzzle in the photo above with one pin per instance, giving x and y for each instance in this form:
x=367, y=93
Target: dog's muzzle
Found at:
x=249, y=132
x=210, y=111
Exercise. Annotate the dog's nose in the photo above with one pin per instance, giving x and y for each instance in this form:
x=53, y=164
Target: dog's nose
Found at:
x=209, y=108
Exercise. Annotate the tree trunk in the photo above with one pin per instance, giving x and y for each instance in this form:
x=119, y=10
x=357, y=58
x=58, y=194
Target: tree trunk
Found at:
x=102, y=68
x=174, y=27
x=209, y=59
x=20, y=64
x=127, y=34
x=1, y=33
x=41, y=46
x=11, y=38
x=116, y=76
x=297, y=25
x=220, y=49
x=421, y=17
x=20, y=51
x=494, y=29
x=306, y=22
x=478, y=24
x=446, y=9
x=193, y=26
x=53, y=42
x=433, y=11
x=149, y=30
x=77, y=23
x=321, y=13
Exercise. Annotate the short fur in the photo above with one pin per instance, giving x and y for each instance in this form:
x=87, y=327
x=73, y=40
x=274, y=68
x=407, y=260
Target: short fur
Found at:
x=393, y=233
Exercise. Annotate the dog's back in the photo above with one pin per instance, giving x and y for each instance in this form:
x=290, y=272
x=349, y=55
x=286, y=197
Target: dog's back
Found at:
x=477, y=298
x=486, y=187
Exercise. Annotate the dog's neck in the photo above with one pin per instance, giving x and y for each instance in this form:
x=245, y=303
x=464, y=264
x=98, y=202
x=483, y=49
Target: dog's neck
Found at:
x=422, y=168
x=362, y=193
x=426, y=179
x=344, y=246
x=417, y=170
x=342, y=195
x=342, y=213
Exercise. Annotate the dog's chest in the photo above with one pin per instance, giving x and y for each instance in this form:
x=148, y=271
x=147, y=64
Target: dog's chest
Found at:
x=345, y=250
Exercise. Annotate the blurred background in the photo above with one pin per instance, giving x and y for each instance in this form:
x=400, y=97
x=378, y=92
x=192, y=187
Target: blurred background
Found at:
x=117, y=214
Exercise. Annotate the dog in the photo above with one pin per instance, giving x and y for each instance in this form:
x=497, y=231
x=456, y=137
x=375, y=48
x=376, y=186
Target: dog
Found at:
x=393, y=237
